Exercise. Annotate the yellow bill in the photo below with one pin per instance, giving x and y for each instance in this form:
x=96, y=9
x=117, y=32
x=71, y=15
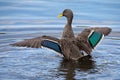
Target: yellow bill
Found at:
x=60, y=15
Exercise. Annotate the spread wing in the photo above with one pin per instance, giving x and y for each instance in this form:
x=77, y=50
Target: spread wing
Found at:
x=45, y=41
x=34, y=42
x=89, y=38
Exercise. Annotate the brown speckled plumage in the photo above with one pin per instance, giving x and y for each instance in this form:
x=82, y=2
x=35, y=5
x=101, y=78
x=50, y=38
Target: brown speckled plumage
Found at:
x=72, y=47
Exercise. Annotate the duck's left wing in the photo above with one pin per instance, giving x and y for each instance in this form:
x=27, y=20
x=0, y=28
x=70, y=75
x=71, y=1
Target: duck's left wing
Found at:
x=44, y=41
x=34, y=42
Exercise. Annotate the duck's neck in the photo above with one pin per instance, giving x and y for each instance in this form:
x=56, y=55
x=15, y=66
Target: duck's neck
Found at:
x=69, y=20
x=68, y=31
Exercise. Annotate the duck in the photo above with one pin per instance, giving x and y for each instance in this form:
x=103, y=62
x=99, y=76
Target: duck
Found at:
x=71, y=47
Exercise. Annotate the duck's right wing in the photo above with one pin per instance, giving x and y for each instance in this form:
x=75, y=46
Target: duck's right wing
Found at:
x=89, y=38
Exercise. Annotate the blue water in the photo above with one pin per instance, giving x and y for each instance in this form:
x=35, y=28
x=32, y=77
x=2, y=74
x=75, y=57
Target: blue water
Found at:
x=26, y=19
x=37, y=12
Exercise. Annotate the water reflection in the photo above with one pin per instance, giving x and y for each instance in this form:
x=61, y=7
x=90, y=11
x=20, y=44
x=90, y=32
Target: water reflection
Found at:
x=68, y=68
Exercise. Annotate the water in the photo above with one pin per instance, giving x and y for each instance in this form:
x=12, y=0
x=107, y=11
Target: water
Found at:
x=25, y=19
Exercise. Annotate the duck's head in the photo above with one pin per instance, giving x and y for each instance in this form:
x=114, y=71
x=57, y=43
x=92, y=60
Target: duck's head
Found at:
x=67, y=13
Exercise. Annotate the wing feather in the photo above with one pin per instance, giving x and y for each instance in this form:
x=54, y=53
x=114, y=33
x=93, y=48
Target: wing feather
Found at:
x=34, y=42
x=103, y=30
x=82, y=38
